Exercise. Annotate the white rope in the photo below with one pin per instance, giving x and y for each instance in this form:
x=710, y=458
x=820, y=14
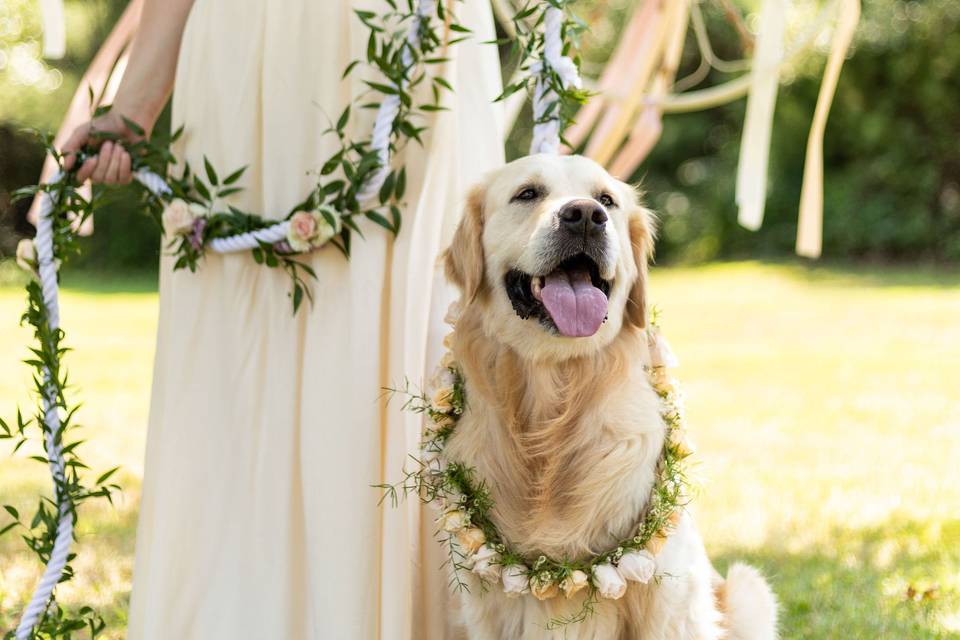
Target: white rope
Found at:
x=546, y=131
x=47, y=269
x=390, y=107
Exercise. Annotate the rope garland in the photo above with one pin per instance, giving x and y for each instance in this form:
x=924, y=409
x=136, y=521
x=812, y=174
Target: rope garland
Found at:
x=47, y=272
x=546, y=130
x=47, y=268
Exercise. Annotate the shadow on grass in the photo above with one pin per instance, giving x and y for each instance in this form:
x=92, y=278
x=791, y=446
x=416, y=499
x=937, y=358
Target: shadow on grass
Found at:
x=867, y=584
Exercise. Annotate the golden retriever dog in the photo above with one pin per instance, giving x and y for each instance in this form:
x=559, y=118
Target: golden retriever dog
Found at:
x=561, y=421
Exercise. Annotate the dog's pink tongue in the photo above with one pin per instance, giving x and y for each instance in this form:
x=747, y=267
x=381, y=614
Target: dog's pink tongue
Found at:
x=576, y=306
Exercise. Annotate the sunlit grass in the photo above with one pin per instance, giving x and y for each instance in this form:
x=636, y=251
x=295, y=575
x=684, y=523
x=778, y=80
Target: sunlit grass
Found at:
x=824, y=404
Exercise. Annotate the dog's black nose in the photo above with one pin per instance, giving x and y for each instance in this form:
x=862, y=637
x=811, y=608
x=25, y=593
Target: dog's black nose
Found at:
x=582, y=216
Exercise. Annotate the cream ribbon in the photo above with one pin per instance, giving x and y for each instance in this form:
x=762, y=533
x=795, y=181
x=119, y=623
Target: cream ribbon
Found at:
x=751, y=192
x=810, y=223
x=54, y=29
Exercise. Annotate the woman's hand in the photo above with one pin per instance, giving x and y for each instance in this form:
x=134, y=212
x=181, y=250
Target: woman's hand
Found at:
x=111, y=165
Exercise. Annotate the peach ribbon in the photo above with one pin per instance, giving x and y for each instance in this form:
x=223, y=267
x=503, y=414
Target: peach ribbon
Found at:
x=810, y=222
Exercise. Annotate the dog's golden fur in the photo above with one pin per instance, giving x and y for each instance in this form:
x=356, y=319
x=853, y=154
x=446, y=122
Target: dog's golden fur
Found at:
x=566, y=432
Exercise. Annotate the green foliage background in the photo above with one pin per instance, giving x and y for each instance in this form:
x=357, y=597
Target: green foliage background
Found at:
x=892, y=176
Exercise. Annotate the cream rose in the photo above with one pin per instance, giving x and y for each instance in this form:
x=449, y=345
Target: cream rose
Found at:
x=574, y=582
x=27, y=255
x=454, y=520
x=471, y=539
x=442, y=398
x=543, y=587
x=655, y=544
x=681, y=442
x=515, y=580
x=608, y=581
x=303, y=228
x=177, y=218
x=638, y=566
x=486, y=563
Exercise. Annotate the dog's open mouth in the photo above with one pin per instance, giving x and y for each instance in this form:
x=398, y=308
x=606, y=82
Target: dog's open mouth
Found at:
x=572, y=299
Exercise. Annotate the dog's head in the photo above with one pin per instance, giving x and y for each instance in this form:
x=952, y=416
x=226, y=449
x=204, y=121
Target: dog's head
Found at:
x=555, y=252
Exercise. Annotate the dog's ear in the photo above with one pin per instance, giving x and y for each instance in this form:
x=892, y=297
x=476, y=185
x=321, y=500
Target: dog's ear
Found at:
x=463, y=260
x=642, y=234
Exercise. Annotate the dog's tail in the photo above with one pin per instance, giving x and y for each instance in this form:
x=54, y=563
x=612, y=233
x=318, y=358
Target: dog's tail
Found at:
x=748, y=605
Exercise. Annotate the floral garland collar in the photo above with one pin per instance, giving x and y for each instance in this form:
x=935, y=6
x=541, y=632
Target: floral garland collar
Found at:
x=474, y=541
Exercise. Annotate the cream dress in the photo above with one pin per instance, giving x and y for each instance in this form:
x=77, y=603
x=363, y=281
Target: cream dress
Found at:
x=268, y=430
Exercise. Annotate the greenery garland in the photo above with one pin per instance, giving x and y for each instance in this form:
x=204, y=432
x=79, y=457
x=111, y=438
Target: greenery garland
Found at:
x=474, y=541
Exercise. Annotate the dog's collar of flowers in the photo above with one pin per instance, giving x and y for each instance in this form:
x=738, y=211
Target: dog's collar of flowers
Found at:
x=476, y=543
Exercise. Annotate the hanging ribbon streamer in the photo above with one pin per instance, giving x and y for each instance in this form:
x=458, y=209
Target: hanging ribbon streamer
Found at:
x=751, y=192
x=810, y=223
x=54, y=29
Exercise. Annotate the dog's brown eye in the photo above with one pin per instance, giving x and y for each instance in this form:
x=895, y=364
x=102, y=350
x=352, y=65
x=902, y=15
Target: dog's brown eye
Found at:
x=527, y=194
x=606, y=200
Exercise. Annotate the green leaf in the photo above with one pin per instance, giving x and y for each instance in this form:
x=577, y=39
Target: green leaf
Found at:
x=382, y=88
x=201, y=189
x=349, y=68
x=380, y=220
x=211, y=174
x=297, y=296
x=387, y=188
x=459, y=28
x=106, y=475
x=344, y=118
x=401, y=184
x=133, y=126
x=233, y=177
x=12, y=511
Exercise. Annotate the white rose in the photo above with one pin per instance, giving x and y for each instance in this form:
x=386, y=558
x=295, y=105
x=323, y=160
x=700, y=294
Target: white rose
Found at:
x=608, y=581
x=543, y=587
x=638, y=566
x=574, y=582
x=27, y=255
x=177, y=218
x=486, y=563
x=470, y=539
x=454, y=520
x=515, y=580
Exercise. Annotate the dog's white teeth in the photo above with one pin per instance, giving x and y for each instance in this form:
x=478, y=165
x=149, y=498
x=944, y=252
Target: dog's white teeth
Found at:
x=536, y=284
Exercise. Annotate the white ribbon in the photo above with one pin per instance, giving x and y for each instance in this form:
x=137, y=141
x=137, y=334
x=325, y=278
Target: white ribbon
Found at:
x=54, y=29
x=751, y=192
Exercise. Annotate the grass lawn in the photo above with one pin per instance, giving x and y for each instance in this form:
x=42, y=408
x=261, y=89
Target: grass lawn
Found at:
x=823, y=401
